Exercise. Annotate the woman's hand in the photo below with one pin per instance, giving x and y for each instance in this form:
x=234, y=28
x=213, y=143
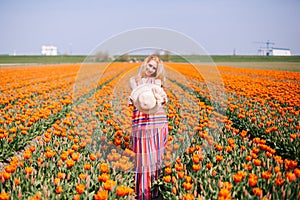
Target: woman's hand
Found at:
x=160, y=95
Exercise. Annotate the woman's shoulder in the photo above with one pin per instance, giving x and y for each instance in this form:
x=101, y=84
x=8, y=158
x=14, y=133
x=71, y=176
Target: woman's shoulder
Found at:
x=133, y=78
x=151, y=80
x=157, y=82
x=133, y=82
x=144, y=80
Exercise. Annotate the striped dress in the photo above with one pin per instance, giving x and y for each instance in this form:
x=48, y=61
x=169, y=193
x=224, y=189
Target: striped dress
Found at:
x=149, y=136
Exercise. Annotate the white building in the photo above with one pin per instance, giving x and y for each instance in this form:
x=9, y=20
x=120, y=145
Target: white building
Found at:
x=274, y=52
x=49, y=50
x=281, y=52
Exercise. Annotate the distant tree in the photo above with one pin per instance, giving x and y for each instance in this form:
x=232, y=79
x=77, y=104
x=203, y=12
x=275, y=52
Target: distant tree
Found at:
x=101, y=56
x=157, y=52
x=124, y=58
x=166, y=56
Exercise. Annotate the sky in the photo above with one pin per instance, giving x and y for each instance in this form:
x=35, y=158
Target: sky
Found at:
x=76, y=27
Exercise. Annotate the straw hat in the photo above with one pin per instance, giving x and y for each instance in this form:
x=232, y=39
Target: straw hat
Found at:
x=144, y=99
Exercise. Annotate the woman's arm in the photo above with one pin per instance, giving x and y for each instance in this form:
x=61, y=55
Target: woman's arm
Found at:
x=157, y=82
x=160, y=95
x=133, y=83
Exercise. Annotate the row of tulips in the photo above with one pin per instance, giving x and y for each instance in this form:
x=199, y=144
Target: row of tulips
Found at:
x=267, y=106
x=29, y=102
x=36, y=105
x=265, y=103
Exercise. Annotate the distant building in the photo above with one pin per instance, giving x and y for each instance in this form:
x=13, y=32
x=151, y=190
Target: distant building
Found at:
x=49, y=50
x=274, y=52
x=280, y=52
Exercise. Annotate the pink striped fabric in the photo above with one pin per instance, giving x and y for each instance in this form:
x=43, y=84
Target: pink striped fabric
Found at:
x=149, y=136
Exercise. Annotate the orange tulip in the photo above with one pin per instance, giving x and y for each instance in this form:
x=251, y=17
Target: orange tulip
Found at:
x=257, y=162
x=56, y=181
x=297, y=172
x=101, y=195
x=4, y=196
x=219, y=158
x=196, y=167
x=252, y=182
x=197, y=158
x=109, y=184
x=209, y=165
x=178, y=167
x=87, y=166
x=218, y=147
x=104, y=167
x=230, y=141
x=76, y=197
x=188, y=197
x=290, y=176
x=237, y=178
x=248, y=158
x=70, y=163
x=214, y=173
x=75, y=156
x=224, y=193
x=257, y=191
x=59, y=190
x=167, y=179
x=61, y=175
x=28, y=170
x=27, y=154
x=180, y=174
x=266, y=174
x=103, y=177
x=187, y=186
x=168, y=170
x=82, y=176
x=10, y=168
x=121, y=191
x=17, y=181
x=93, y=157
x=64, y=156
x=174, y=190
x=80, y=188
x=49, y=154
x=188, y=179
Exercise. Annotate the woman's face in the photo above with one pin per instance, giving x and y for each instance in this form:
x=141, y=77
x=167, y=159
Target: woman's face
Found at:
x=151, y=68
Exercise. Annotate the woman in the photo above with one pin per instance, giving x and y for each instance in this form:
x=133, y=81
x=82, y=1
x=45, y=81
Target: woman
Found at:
x=149, y=129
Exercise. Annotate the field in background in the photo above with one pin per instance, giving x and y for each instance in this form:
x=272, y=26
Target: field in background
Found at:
x=5, y=59
x=285, y=63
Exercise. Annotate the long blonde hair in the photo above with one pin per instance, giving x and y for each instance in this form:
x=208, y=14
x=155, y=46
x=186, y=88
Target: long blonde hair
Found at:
x=160, y=71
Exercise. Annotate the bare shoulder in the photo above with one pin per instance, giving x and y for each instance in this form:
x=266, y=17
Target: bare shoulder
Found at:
x=133, y=82
x=157, y=82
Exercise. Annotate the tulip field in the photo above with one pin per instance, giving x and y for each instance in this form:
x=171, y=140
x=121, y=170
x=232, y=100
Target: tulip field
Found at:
x=63, y=137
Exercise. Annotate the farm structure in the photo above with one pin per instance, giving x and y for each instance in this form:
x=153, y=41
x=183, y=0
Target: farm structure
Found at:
x=49, y=50
x=281, y=52
x=274, y=52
